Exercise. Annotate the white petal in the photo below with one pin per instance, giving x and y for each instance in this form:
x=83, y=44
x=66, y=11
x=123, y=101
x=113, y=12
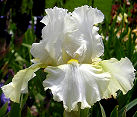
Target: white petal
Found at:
x=69, y=35
x=73, y=83
x=122, y=75
x=54, y=21
x=19, y=83
x=45, y=20
x=88, y=14
x=84, y=42
x=49, y=50
x=40, y=53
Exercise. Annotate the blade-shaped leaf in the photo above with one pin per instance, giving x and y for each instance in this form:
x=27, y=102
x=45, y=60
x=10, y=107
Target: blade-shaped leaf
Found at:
x=135, y=115
x=114, y=113
x=15, y=110
x=3, y=109
x=128, y=107
x=102, y=110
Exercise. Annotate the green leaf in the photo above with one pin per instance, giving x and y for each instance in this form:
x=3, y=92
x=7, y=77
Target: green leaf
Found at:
x=26, y=6
x=128, y=107
x=124, y=113
x=15, y=110
x=50, y=3
x=84, y=112
x=95, y=110
x=72, y=114
x=102, y=110
x=3, y=109
x=24, y=98
x=114, y=113
x=28, y=112
x=39, y=97
x=105, y=6
x=135, y=115
x=71, y=4
x=26, y=45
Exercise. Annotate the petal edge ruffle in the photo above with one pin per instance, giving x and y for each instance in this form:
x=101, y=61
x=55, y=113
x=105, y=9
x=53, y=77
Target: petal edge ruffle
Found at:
x=19, y=83
x=122, y=75
x=73, y=83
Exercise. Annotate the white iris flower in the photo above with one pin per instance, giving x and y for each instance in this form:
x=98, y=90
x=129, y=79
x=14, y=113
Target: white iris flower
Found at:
x=69, y=53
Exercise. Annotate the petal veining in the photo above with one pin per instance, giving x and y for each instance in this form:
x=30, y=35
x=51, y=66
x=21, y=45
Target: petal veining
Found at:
x=122, y=75
x=49, y=50
x=69, y=36
x=84, y=43
x=19, y=83
x=73, y=83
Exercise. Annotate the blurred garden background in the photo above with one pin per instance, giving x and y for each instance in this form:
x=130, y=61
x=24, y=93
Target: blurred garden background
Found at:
x=20, y=27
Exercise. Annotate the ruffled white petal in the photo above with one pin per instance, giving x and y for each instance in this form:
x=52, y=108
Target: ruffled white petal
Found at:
x=49, y=50
x=69, y=35
x=19, y=83
x=54, y=21
x=84, y=43
x=40, y=53
x=73, y=83
x=88, y=14
x=122, y=75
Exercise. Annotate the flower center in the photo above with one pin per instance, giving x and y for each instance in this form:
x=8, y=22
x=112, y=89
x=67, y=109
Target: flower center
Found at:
x=71, y=61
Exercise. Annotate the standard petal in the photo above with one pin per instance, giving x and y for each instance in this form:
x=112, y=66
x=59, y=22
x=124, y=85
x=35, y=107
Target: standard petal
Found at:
x=45, y=20
x=19, y=83
x=88, y=14
x=73, y=83
x=40, y=53
x=84, y=35
x=54, y=21
x=69, y=34
x=49, y=50
x=122, y=75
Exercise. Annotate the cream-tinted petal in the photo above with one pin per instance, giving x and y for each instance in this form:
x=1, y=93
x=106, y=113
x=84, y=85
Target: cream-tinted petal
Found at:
x=19, y=83
x=73, y=83
x=122, y=75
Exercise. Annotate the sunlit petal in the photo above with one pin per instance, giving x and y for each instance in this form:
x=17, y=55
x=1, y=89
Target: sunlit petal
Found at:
x=19, y=83
x=122, y=75
x=49, y=50
x=73, y=83
x=84, y=43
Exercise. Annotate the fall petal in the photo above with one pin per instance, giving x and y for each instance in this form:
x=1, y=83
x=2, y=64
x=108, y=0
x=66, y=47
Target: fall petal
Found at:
x=73, y=83
x=19, y=83
x=122, y=75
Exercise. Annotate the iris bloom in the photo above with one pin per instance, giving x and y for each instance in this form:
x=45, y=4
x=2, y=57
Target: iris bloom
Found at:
x=69, y=52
